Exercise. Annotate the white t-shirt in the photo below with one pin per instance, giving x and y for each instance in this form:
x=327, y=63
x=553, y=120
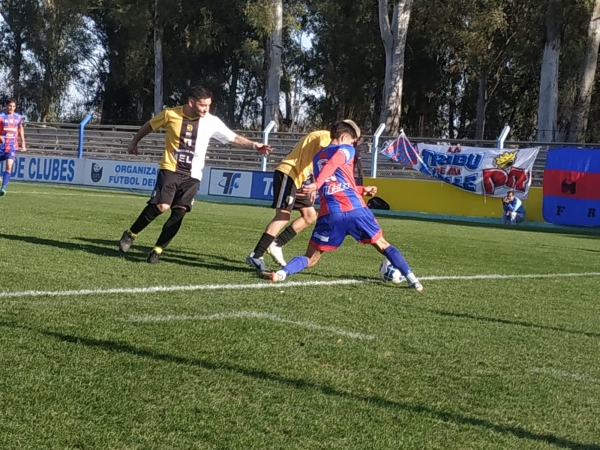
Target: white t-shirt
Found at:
x=209, y=127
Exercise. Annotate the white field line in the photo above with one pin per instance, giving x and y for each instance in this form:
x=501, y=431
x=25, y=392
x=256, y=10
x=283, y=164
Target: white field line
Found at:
x=248, y=315
x=267, y=285
x=74, y=194
x=153, y=289
x=563, y=374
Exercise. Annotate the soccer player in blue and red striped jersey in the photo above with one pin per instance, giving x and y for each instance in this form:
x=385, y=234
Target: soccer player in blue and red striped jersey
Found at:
x=342, y=212
x=12, y=129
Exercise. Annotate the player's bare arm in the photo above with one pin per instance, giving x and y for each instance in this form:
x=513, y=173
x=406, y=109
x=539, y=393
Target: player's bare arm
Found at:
x=145, y=129
x=22, y=136
x=242, y=142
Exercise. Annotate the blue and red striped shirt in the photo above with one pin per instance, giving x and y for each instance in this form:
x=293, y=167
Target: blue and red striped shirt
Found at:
x=11, y=123
x=339, y=192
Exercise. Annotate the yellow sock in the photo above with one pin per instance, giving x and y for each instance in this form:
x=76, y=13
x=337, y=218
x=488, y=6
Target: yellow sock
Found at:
x=133, y=234
x=157, y=250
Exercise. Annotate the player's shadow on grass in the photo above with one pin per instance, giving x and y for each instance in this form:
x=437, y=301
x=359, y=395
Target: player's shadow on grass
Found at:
x=508, y=322
x=300, y=384
x=212, y=261
x=94, y=249
x=176, y=256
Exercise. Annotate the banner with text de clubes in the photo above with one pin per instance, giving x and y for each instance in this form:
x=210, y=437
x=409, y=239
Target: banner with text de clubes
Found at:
x=484, y=171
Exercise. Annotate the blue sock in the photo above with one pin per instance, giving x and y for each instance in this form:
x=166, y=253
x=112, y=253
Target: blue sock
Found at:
x=297, y=264
x=5, y=179
x=395, y=257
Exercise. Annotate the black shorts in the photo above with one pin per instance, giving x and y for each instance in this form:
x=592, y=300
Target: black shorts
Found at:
x=174, y=189
x=284, y=193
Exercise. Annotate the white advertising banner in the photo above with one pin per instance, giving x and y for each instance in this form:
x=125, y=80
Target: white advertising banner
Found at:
x=230, y=183
x=47, y=169
x=120, y=174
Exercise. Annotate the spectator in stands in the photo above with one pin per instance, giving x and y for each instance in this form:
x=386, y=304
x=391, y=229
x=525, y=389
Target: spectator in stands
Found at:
x=514, y=212
x=188, y=129
x=12, y=129
x=290, y=175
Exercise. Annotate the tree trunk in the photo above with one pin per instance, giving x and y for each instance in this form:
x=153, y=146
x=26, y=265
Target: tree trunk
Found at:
x=452, y=109
x=481, y=104
x=17, y=62
x=275, y=44
x=587, y=75
x=158, y=61
x=394, y=43
x=235, y=76
x=548, y=102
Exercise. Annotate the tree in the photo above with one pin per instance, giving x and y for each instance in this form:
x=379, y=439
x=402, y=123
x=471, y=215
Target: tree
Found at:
x=394, y=42
x=275, y=49
x=158, y=59
x=17, y=16
x=587, y=75
x=548, y=101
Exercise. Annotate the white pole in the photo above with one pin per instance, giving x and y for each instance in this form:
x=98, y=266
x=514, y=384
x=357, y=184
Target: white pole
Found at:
x=375, y=148
x=503, y=136
x=265, y=139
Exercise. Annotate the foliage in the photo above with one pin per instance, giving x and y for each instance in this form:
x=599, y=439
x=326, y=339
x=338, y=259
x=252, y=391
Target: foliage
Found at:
x=332, y=66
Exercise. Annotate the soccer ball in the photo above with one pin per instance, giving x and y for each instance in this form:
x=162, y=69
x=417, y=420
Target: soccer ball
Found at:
x=387, y=272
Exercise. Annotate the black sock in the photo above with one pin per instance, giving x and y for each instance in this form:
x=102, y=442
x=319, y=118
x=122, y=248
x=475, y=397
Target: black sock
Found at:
x=263, y=245
x=149, y=213
x=286, y=236
x=171, y=227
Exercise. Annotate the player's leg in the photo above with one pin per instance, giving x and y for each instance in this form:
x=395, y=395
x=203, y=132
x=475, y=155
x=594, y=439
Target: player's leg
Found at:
x=398, y=261
x=505, y=218
x=363, y=227
x=308, y=215
x=9, y=160
x=181, y=205
x=160, y=201
x=283, y=203
x=328, y=235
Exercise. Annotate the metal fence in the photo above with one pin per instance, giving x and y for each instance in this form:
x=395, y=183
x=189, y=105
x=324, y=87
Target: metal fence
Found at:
x=110, y=142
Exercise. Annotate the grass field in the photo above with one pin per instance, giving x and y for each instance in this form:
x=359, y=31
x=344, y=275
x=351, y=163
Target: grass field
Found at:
x=91, y=357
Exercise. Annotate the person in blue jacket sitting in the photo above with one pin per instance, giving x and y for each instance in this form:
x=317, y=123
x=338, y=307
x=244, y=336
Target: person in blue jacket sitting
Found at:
x=514, y=212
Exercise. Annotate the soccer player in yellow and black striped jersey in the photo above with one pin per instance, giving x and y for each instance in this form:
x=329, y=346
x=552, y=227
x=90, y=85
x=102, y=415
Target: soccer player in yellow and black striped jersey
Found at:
x=289, y=177
x=188, y=129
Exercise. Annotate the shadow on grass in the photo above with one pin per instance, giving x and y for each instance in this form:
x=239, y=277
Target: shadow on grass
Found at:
x=508, y=322
x=109, y=248
x=102, y=251
x=456, y=418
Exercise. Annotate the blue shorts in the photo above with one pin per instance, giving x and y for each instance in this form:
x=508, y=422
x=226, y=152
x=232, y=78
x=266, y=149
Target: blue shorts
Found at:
x=331, y=230
x=8, y=155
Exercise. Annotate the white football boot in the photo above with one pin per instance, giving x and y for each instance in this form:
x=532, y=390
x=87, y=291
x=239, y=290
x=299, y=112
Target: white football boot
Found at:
x=276, y=253
x=414, y=282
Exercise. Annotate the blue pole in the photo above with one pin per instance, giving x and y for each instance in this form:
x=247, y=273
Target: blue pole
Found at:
x=81, y=127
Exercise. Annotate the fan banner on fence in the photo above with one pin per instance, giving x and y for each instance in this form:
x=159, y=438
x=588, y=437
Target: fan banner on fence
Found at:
x=484, y=171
